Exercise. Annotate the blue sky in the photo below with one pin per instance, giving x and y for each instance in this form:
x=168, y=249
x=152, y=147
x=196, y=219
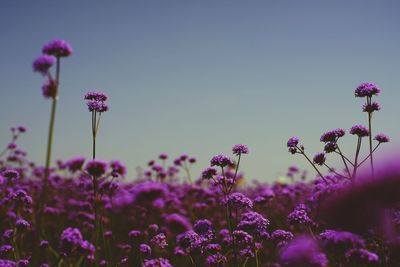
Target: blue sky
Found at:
x=197, y=77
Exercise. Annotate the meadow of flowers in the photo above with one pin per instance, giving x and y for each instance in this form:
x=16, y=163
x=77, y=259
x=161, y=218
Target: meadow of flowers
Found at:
x=84, y=212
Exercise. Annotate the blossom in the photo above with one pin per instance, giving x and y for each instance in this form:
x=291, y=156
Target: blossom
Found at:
x=163, y=156
x=240, y=149
x=303, y=251
x=254, y=223
x=330, y=147
x=359, y=130
x=145, y=249
x=221, y=161
x=57, y=48
x=343, y=239
x=299, y=215
x=382, y=138
x=238, y=200
x=75, y=164
x=10, y=174
x=371, y=107
x=159, y=262
x=160, y=240
x=208, y=173
x=97, y=96
x=293, y=142
x=43, y=63
x=96, y=167
x=177, y=223
x=319, y=158
x=367, y=90
x=361, y=257
x=333, y=135
x=49, y=89
x=216, y=260
x=99, y=106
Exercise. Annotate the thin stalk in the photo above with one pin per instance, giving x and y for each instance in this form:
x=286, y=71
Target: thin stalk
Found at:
x=344, y=160
x=312, y=164
x=94, y=130
x=364, y=160
x=356, y=158
x=370, y=143
x=333, y=171
x=257, y=263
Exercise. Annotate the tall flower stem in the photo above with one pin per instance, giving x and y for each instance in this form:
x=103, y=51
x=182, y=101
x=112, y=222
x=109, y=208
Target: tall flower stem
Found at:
x=344, y=160
x=50, y=134
x=356, y=158
x=370, y=142
x=94, y=134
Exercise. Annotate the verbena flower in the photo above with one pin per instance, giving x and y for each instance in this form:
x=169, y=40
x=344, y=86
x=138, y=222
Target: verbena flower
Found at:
x=49, y=89
x=367, y=90
x=240, y=149
x=160, y=240
x=209, y=173
x=96, y=167
x=371, y=107
x=319, y=158
x=293, y=142
x=382, y=138
x=239, y=201
x=57, y=48
x=43, y=63
x=221, y=160
x=332, y=136
x=330, y=147
x=359, y=130
x=159, y=262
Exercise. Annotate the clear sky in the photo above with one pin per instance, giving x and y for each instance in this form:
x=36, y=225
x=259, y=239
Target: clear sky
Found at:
x=197, y=77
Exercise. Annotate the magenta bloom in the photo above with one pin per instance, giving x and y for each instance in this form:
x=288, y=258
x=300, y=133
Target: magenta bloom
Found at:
x=98, y=106
x=359, y=130
x=240, y=149
x=209, y=173
x=221, y=161
x=57, y=48
x=98, y=96
x=43, y=63
x=96, y=167
x=382, y=138
x=319, y=158
x=293, y=142
x=367, y=90
x=333, y=135
x=374, y=106
x=49, y=89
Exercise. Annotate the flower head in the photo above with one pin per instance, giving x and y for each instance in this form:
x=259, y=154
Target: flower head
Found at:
x=99, y=106
x=293, y=142
x=49, y=89
x=359, y=130
x=319, y=158
x=98, y=96
x=57, y=48
x=333, y=135
x=382, y=138
x=240, y=149
x=367, y=90
x=43, y=63
x=208, y=173
x=238, y=200
x=96, y=167
x=221, y=161
x=371, y=107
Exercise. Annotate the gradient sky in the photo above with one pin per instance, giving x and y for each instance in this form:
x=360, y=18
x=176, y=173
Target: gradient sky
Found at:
x=197, y=77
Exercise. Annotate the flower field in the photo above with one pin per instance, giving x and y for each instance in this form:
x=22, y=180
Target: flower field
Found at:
x=86, y=212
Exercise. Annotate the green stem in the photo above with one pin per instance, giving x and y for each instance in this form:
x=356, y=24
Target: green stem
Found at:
x=356, y=158
x=370, y=142
x=312, y=164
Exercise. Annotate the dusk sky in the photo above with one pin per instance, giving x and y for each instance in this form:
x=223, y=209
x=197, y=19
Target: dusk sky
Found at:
x=197, y=77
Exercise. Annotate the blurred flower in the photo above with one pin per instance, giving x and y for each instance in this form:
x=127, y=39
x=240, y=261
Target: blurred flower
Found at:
x=57, y=48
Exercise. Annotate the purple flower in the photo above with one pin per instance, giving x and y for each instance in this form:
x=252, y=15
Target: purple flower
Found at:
x=188, y=240
x=281, y=235
x=4, y=249
x=43, y=63
x=254, y=223
x=367, y=90
x=221, y=161
x=49, y=89
x=330, y=147
x=359, y=130
x=22, y=224
x=344, y=240
x=97, y=96
x=239, y=201
x=240, y=149
x=160, y=240
x=70, y=240
x=145, y=249
x=159, y=262
x=96, y=167
x=382, y=138
x=75, y=164
x=303, y=251
x=177, y=223
x=216, y=260
x=163, y=156
x=361, y=257
x=204, y=228
x=299, y=216
x=57, y=48
x=10, y=174
x=293, y=142
x=371, y=107
x=99, y=106
x=333, y=135
x=319, y=158
x=118, y=167
x=209, y=173
x=242, y=237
